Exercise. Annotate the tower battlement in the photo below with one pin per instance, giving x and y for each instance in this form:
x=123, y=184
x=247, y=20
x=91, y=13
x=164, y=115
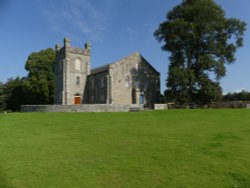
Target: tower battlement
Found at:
x=67, y=47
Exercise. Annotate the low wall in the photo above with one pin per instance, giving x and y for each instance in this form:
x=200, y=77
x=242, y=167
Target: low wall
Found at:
x=76, y=108
x=160, y=106
x=231, y=104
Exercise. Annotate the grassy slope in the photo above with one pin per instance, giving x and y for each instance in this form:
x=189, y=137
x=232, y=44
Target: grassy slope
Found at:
x=177, y=148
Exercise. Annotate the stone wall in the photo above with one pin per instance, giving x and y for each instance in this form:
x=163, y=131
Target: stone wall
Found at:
x=96, y=88
x=76, y=108
x=160, y=106
x=72, y=66
x=132, y=78
x=230, y=104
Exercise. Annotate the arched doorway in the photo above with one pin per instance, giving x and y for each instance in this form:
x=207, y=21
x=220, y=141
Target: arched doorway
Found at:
x=77, y=99
x=141, y=99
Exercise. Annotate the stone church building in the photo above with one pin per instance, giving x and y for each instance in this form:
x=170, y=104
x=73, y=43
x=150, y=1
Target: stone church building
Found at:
x=131, y=80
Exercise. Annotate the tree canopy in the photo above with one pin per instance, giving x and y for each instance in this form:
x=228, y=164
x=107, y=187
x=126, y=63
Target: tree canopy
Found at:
x=201, y=41
x=237, y=96
x=36, y=88
x=39, y=84
x=2, y=97
x=14, y=93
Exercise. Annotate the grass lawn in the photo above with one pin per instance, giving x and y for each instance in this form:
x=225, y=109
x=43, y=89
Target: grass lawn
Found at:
x=175, y=148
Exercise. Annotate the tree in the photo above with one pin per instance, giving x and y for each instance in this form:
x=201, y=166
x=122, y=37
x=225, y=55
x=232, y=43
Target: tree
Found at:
x=14, y=93
x=39, y=84
x=237, y=96
x=2, y=97
x=201, y=41
x=36, y=88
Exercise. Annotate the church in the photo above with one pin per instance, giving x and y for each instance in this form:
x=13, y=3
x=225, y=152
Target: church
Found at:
x=129, y=81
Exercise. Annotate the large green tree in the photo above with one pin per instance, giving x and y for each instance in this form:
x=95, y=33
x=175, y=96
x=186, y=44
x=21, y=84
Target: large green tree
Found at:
x=201, y=41
x=39, y=84
x=36, y=88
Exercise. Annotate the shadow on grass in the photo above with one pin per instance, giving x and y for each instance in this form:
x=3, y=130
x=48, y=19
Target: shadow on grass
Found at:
x=3, y=182
x=240, y=180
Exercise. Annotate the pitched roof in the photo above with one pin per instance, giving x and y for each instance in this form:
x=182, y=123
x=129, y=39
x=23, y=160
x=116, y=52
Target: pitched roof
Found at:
x=120, y=62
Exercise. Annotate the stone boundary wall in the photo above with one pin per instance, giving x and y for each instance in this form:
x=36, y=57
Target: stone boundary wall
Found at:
x=76, y=108
x=231, y=104
x=160, y=106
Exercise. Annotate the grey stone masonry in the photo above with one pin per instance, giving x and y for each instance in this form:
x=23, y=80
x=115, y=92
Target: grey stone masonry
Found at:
x=130, y=80
x=161, y=106
x=72, y=66
x=77, y=108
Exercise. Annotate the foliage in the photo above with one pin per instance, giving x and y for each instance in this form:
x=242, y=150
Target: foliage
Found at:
x=201, y=40
x=175, y=148
x=14, y=93
x=237, y=96
x=39, y=84
x=2, y=97
x=36, y=88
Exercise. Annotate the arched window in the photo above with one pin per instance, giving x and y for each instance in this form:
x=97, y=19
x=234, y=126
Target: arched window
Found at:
x=146, y=86
x=141, y=99
x=102, y=82
x=78, y=64
x=92, y=83
x=78, y=80
x=127, y=81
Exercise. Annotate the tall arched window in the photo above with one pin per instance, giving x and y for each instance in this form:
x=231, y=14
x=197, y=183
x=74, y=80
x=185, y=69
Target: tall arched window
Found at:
x=78, y=64
x=102, y=82
x=92, y=83
x=78, y=80
x=127, y=81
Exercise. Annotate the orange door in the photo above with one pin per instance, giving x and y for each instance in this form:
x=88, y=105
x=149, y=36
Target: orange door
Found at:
x=77, y=100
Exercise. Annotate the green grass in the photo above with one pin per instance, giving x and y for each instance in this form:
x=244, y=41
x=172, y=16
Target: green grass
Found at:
x=175, y=148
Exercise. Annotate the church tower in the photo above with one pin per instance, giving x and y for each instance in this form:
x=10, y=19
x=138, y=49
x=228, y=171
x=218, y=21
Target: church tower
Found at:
x=72, y=66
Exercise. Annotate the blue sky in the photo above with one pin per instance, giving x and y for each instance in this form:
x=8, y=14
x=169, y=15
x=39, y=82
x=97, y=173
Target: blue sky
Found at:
x=115, y=29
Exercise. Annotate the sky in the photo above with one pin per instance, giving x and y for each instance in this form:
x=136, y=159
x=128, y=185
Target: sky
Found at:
x=115, y=29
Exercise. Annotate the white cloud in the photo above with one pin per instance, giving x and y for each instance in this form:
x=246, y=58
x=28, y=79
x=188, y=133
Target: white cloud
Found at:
x=79, y=16
x=240, y=90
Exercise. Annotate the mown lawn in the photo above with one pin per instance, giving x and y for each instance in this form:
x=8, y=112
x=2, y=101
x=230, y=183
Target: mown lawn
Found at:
x=175, y=148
